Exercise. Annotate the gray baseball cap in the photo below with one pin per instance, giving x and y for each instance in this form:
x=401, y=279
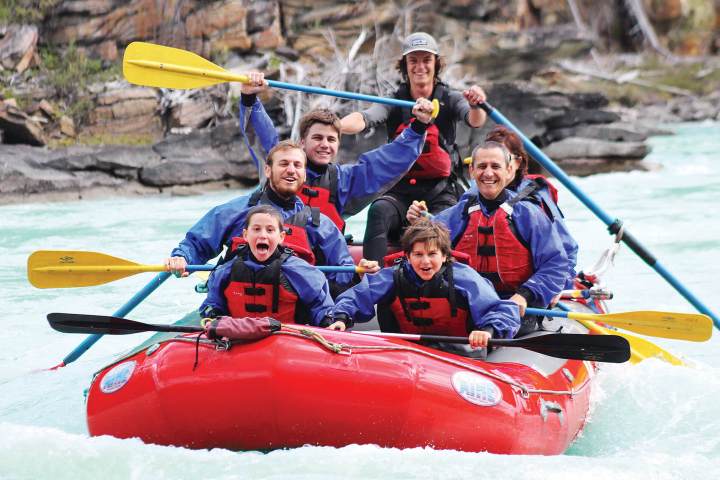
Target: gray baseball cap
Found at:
x=420, y=41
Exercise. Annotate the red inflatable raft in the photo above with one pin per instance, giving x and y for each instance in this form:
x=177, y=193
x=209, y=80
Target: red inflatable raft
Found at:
x=289, y=390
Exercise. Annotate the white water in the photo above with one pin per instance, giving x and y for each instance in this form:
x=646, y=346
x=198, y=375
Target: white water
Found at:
x=649, y=421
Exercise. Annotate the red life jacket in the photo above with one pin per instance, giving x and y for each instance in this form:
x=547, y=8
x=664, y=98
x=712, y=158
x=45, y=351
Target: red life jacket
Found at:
x=322, y=193
x=495, y=250
x=546, y=195
x=434, y=161
x=430, y=309
x=264, y=293
x=544, y=183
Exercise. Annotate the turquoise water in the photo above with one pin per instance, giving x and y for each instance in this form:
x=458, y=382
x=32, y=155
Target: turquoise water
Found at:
x=649, y=421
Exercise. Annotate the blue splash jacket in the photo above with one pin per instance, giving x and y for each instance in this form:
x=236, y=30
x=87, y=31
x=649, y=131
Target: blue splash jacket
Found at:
x=485, y=307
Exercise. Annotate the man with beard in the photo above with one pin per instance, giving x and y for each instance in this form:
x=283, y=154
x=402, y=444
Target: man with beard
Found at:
x=310, y=233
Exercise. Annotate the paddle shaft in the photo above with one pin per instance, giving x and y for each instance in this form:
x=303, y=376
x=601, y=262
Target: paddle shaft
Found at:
x=231, y=77
x=161, y=268
x=613, y=224
x=437, y=338
x=572, y=346
x=120, y=312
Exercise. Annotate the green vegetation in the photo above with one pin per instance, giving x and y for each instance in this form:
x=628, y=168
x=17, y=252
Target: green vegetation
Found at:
x=25, y=11
x=70, y=73
x=658, y=77
x=105, y=139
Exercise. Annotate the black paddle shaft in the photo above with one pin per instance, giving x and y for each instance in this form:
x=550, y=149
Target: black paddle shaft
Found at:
x=79, y=323
x=598, y=348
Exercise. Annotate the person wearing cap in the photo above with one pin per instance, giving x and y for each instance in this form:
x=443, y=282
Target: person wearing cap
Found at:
x=431, y=178
x=510, y=240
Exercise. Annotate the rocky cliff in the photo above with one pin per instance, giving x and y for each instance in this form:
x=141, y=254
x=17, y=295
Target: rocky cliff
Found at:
x=61, y=71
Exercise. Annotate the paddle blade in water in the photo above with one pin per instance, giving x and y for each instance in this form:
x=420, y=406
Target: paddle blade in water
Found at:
x=640, y=349
x=151, y=65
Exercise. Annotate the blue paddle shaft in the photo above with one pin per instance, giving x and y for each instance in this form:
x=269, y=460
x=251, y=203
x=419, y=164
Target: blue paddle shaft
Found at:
x=120, y=312
x=342, y=94
x=613, y=224
x=322, y=268
x=542, y=312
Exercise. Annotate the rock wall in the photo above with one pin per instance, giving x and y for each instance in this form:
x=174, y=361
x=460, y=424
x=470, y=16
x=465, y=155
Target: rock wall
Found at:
x=180, y=164
x=346, y=45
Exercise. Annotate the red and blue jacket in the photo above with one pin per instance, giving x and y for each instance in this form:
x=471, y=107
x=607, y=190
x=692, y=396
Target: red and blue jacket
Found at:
x=474, y=294
x=550, y=265
x=298, y=284
x=356, y=184
x=206, y=239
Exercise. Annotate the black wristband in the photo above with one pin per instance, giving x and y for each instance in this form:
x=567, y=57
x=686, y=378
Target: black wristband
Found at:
x=419, y=127
x=248, y=100
x=343, y=317
x=526, y=293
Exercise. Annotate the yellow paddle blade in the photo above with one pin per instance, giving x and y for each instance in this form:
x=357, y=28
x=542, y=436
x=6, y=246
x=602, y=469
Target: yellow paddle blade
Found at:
x=69, y=268
x=167, y=67
x=436, y=108
x=640, y=349
x=694, y=327
x=202, y=275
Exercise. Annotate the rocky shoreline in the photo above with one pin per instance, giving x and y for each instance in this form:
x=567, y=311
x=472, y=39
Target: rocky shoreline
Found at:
x=577, y=131
x=539, y=65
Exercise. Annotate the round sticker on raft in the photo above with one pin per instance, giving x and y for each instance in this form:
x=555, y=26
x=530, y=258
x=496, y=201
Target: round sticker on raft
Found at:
x=476, y=389
x=117, y=377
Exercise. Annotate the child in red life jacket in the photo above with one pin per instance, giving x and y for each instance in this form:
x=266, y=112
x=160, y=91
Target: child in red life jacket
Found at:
x=426, y=292
x=265, y=279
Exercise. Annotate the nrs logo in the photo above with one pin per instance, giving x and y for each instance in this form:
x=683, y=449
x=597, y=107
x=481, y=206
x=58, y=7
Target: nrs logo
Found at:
x=117, y=377
x=476, y=389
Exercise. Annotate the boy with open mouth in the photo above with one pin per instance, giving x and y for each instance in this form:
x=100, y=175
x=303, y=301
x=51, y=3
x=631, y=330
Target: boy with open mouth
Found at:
x=265, y=279
x=426, y=292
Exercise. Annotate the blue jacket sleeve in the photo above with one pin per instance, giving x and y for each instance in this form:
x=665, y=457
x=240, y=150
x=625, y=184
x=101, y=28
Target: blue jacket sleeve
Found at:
x=328, y=239
x=549, y=257
x=571, y=250
x=359, y=302
x=311, y=286
x=206, y=238
x=452, y=218
x=376, y=171
x=486, y=308
x=261, y=123
x=217, y=283
x=569, y=243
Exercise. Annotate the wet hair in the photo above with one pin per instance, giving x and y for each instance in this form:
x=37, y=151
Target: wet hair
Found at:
x=427, y=231
x=401, y=67
x=282, y=146
x=319, y=115
x=267, y=210
x=514, y=145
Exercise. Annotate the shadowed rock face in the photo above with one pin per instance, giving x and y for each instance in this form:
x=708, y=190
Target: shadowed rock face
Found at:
x=213, y=158
x=485, y=40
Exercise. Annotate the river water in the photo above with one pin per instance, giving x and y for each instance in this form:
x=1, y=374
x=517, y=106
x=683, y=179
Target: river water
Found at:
x=648, y=421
